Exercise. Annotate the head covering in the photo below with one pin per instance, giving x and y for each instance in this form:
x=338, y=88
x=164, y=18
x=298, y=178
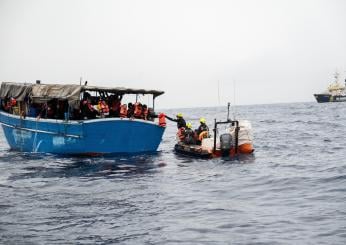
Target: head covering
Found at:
x=202, y=120
x=189, y=125
x=179, y=115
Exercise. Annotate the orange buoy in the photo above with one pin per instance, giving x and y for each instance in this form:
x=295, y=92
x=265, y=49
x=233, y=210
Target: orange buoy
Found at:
x=245, y=148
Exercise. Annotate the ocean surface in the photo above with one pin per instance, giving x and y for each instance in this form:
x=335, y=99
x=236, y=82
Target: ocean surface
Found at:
x=291, y=191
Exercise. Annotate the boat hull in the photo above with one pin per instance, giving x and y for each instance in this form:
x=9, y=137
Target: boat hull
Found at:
x=197, y=151
x=87, y=137
x=323, y=98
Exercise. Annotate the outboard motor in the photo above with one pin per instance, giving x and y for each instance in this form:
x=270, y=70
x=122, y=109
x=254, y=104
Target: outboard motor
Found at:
x=226, y=143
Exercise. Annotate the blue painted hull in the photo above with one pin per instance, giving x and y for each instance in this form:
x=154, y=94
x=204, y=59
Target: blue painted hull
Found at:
x=99, y=136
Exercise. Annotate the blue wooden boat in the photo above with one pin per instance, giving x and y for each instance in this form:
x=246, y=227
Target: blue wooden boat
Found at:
x=26, y=132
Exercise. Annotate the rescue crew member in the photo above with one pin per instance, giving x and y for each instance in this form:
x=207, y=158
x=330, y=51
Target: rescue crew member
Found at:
x=180, y=120
x=202, y=131
x=202, y=127
x=189, y=135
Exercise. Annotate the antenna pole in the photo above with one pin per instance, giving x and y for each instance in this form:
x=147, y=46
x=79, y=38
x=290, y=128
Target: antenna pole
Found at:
x=215, y=130
x=228, y=105
x=234, y=111
x=218, y=92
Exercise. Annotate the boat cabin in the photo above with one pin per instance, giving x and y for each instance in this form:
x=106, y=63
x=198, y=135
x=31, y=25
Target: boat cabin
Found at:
x=76, y=102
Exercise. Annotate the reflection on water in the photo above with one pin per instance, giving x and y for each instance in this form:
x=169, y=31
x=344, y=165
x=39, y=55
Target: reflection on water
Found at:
x=64, y=166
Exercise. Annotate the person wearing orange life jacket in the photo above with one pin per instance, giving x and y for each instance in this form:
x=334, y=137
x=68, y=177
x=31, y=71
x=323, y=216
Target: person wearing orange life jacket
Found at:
x=137, y=110
x=103, y=107
x=202, y=131
x=123, y=111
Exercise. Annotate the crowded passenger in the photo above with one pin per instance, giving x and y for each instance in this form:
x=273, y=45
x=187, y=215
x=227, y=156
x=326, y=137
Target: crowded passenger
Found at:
x=90, y=107
x=123, y=111
x=114, y=105
x=103, y=108
x=151, y=114
x=8, y=104
x=87, y=109
x=137, y=113
x=145, y=112
x=62, y=109
x=50, y=109
x=130, y=110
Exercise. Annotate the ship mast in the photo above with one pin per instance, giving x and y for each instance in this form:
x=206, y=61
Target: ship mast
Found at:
x=336, y=76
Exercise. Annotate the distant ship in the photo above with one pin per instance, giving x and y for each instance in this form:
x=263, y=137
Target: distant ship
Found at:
x=336, y=92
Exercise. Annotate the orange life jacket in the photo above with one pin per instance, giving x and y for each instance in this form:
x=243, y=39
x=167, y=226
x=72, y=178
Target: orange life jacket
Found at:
x=138, y=111
x=103, y=107
x=203, y=135
x=181, y=133
x=162, y=120
x=123, y=111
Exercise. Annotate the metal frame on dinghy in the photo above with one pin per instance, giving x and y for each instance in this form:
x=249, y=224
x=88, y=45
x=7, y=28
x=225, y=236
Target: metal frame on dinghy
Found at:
x=197, y=151
x=233, y=123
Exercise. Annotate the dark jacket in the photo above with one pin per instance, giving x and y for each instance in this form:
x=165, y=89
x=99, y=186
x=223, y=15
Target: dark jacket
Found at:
x=189, y=137
x=180, y=121
x=202, y=127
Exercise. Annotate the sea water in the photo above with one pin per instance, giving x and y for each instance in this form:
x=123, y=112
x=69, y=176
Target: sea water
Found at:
x=291, y=191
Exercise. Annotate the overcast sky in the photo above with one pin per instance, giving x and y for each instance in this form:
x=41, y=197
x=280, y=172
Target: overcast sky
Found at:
x=270, y=51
